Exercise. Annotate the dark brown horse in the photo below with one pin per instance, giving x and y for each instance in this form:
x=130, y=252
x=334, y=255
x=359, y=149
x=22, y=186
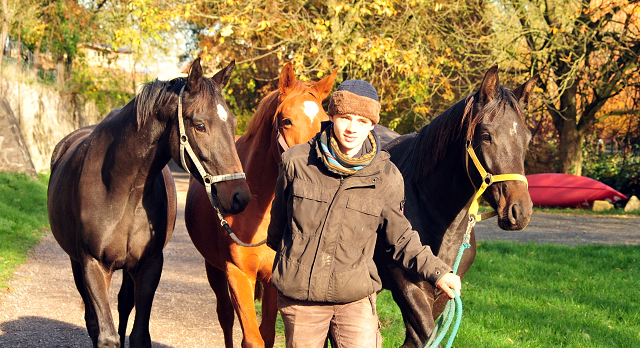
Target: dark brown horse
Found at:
x=113, y=206
x=440, y=182
x=288, y=116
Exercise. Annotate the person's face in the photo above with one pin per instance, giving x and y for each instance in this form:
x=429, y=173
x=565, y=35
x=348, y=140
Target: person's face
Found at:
x=351, y=131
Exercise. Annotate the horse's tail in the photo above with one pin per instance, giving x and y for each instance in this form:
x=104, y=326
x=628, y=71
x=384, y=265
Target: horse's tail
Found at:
x=259, y=291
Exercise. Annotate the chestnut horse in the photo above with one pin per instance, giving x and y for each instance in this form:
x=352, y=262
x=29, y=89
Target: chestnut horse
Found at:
x=112, y=205
x=441, y=180
x=291, y=114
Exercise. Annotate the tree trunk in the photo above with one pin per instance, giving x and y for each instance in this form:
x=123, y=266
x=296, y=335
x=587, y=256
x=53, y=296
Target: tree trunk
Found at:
x=571, y=137
x=5, y=31
x=570, y=148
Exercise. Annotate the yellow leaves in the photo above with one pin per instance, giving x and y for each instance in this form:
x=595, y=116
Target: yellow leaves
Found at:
x=226, y=31
x=320, y=74
x=263, y=25
x=553, y=31
x=438, y=7
x=421, y=110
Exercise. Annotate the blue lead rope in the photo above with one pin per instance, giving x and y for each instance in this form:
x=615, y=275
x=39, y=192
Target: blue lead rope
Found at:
x=453, y=309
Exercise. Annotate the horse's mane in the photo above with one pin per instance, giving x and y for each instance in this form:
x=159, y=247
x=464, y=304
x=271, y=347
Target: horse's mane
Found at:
x=157, y=93
x=265, y=113
x=455, y=125
x=269, y=108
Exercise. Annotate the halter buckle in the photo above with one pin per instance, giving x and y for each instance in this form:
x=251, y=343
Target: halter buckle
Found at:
x=488, y=179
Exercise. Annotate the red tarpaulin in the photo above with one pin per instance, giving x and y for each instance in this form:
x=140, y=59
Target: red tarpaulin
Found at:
x=566, y=190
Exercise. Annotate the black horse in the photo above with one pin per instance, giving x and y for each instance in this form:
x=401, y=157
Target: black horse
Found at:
x=440, y=182
x=112, y=200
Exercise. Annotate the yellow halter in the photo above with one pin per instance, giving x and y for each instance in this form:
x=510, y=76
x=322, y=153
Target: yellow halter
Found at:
x=487, y=180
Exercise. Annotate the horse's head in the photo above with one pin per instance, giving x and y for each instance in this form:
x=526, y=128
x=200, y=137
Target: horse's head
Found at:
x=500, y=138
x=299, y=109
x=203, y=143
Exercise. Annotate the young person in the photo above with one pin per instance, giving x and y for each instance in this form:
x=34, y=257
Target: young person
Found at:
x=335, y=195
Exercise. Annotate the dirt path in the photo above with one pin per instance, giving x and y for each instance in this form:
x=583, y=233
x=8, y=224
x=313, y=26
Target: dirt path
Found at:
x=43, y=308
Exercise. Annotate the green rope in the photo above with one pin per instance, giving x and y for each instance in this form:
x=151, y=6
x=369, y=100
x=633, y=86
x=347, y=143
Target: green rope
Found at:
x=454, y=305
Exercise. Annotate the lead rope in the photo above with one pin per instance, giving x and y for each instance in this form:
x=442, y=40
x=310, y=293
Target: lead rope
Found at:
x=454, y=306
x=206, y=177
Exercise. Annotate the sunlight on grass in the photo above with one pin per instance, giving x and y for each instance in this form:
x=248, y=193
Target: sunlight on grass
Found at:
x=23, y=219
x=544, y=295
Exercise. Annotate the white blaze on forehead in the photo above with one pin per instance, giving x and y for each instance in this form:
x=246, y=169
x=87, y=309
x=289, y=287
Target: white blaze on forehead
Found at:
x=311, y=109
x=222, y=113
x=514, y=131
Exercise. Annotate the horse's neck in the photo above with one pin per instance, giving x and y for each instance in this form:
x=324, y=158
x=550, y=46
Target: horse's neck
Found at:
x=259, y=164
x=439, y=200
x=131, y=156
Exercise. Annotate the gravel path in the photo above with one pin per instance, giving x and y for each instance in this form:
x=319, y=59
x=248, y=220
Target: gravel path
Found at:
x=571, y=229
x=43, y=308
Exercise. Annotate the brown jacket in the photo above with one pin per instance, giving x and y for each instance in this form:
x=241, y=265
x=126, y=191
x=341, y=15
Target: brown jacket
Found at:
x=324, y=228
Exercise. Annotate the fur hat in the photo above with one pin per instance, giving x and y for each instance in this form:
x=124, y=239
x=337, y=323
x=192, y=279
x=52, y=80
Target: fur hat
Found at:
x=355, y=97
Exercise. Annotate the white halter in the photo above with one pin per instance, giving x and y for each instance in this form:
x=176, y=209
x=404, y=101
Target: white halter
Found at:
x=206, y=177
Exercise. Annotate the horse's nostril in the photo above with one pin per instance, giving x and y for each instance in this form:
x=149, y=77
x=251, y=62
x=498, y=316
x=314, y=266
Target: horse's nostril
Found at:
x=513, y=213
x=239, y=202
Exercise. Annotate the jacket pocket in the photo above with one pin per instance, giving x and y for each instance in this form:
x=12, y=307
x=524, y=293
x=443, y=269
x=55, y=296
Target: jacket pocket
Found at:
x=353, y=284
x=291, y=278
x=362, y=217
x=310, y=205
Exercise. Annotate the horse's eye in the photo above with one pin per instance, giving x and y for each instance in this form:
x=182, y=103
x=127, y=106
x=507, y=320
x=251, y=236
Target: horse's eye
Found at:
x=486, y=137
x=287, y=122
x=201, y=128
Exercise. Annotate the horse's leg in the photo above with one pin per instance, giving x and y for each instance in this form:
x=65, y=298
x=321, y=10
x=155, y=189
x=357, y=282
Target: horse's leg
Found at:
x=90, y=317
x=218, y=282
x=126, y=300
x=269, y=314
x=146, y=281
x=242, y=288
x=96, y=283
x=415, y=306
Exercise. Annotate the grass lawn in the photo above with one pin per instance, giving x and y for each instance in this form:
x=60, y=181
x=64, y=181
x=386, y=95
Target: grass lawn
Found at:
x=23, y=219
x=543, y=295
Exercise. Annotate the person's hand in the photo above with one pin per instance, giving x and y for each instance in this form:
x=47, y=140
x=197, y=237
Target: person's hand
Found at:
x=448, y=283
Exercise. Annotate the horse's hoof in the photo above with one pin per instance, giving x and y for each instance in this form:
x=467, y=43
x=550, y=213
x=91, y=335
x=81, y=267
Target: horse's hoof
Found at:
x=109, y=342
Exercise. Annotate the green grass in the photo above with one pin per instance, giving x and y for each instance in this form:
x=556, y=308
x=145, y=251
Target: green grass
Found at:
x=543, y=295
x=616, y=211
x=23, y=219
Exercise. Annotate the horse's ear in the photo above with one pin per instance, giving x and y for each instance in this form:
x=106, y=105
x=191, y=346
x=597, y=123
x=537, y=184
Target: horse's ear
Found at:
x=287, y=79
x=523, y=92
x=195, y=76
x=489, y=85
x=222, y=77
x=324, y=86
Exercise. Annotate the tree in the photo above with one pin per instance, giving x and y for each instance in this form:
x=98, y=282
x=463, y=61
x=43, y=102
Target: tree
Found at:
x=420, y=55
x=587, y=54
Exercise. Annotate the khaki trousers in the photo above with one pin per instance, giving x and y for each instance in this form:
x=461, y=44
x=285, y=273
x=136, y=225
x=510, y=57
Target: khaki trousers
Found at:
x=353, y=325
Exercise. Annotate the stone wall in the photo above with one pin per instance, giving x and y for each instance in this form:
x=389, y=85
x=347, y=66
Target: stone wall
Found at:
x=14, y=156
x=45, y=116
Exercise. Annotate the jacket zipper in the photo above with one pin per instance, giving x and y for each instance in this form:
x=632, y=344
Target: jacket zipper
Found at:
x=324, y=222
